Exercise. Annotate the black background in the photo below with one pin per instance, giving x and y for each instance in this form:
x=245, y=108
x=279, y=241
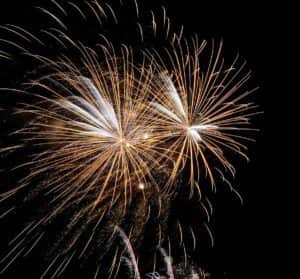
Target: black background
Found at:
x=246, y=27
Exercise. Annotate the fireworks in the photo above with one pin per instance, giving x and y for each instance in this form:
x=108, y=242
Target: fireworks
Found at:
x=98, y=134
x=113, y=130
x=200, y=109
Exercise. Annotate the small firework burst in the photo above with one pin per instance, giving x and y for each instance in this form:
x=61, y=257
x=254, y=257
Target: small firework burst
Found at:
x=201, y=109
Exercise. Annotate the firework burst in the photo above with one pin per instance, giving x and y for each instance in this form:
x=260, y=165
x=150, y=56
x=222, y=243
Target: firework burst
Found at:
x=201, y=109
x=110, y=136
x=97, y=131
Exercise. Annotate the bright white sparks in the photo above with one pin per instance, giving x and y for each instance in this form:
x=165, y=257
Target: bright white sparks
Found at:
x=174, y=110
x=98, y=119
x=142, y=186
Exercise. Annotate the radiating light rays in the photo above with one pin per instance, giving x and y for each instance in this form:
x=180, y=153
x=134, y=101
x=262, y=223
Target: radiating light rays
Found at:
x=100, y=135
x=108, y=130
x=200, y=107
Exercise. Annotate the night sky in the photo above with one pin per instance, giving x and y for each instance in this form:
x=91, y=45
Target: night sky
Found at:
x=244, y=26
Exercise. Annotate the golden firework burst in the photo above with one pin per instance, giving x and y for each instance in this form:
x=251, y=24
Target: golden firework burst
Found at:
x=109, y=130
x=199, y=107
